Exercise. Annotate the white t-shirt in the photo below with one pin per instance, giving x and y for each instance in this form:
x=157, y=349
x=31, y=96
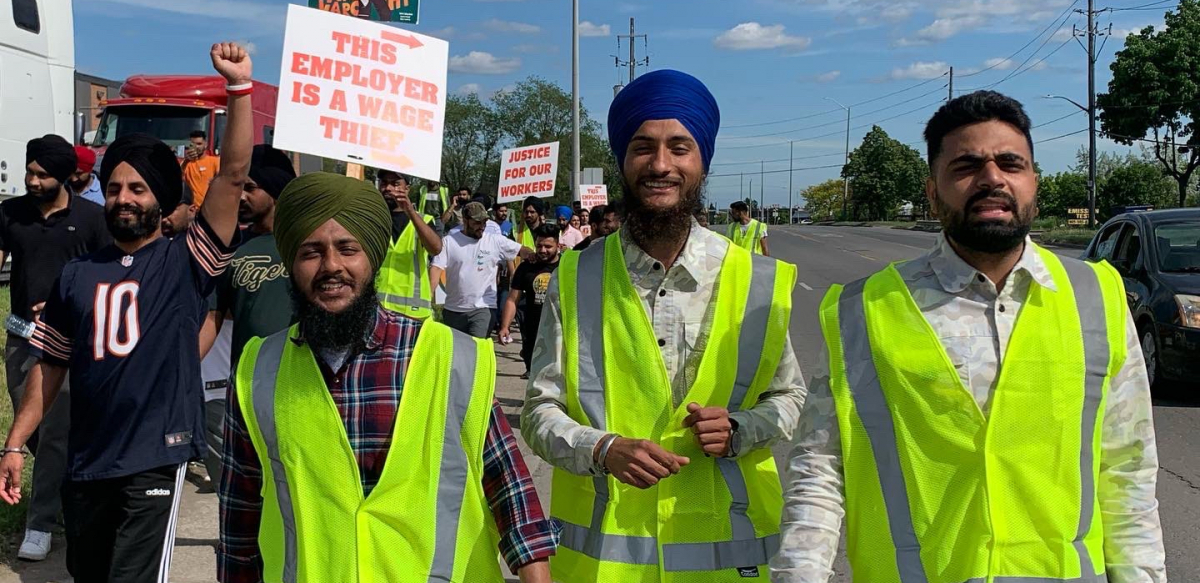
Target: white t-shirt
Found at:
x=762, y=230
x=471, y=266
x=490, y=227
x=215, y=368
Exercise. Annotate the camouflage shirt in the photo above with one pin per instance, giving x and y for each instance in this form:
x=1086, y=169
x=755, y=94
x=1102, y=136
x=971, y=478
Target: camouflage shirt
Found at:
x=975, y=320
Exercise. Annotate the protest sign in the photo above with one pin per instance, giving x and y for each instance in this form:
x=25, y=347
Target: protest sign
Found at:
x=362, y=92
x=591, y=195
x=402, y=11
x=528, y=171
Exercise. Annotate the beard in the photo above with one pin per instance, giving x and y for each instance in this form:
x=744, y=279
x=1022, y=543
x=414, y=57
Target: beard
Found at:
x=648, y=226
x=345, y=330
x=986, y=236
x=143, y=224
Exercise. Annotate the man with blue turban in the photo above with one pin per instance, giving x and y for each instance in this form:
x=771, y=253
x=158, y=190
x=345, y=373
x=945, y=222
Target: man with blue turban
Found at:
x=568, y=226
x=663, y=371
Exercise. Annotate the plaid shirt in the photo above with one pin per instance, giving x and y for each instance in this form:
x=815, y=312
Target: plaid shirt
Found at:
x=367, y=391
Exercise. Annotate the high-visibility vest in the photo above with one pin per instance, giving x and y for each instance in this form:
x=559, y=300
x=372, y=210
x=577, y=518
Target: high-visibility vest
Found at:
x=442, y=191
x=937, y=492
x=402, y=284
x=524, y=235
x=718, y=519
x=750, y=239
x=426, y=520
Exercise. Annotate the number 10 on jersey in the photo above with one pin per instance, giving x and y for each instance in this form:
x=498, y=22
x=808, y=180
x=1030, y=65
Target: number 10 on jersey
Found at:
x=110, y=310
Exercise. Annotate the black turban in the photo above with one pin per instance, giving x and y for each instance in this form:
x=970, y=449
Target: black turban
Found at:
x=271, y=169
x=153, y=160
x=55, y=155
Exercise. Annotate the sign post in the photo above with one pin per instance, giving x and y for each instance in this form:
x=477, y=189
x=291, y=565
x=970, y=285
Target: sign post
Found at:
x=401, y=11
x=593, y=195
x=528, y=171
x=362, y=92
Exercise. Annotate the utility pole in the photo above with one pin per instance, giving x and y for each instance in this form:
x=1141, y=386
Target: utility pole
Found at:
x=762, y=210
x=742, y=186
x=633, y=61
x=845, y=180
x=951, y=98
x=1092, y=32
x=790, y=154
x=575, y=100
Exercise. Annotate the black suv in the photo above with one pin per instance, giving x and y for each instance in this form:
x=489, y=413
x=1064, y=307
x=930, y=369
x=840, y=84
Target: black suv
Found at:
x=1158, y=256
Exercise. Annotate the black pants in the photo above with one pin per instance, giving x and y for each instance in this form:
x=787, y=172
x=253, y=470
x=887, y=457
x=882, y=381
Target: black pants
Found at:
x=528, y=339
x=122, y=530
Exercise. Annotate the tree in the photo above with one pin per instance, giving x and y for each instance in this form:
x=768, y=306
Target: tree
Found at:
x=1136, y=183
x=883, y=174
x=823, y=201
x=1062, y=191
x=1154, y=90
x=469, y=150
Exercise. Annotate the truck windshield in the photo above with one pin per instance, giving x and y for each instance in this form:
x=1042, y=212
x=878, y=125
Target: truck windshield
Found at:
x=1178, y=247
x=170, y=124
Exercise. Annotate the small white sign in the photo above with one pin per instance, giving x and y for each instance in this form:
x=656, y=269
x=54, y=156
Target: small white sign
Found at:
x=528, y=171
x=591, y=195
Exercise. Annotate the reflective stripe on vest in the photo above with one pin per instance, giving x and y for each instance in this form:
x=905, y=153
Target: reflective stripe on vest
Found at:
x=388, y=288
x=745, y=549
x=872, y=407
x=749, y=238
x=451, y=482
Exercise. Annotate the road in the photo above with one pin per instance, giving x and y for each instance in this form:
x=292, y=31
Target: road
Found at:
x=825, y=256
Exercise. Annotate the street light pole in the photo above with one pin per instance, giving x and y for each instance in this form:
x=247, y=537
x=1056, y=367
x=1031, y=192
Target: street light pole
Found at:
x=790, y=154
x=845, y=179
x=1091, y=111
x=575, y=99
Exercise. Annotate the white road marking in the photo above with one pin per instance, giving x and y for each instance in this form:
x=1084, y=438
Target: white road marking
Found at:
x=805, y=286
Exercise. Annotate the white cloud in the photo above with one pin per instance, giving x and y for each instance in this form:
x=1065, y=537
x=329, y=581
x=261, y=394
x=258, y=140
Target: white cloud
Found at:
x=921, y=70
x=443, y=33
x=828, y=77
x=534, y=49
x=586, y=28
x=506, y=26
x=753, y=36
x=999, y=64
x=943, y=28
x=468, y=89
x=481, y=63
x=894, y=13
x=1064, y=34
x=227, y=9
x=1122, y=33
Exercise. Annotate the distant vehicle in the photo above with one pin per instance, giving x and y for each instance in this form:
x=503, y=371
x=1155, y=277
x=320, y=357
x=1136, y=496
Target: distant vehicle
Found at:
x=37, y=74
x=1158, y=256
x=171, y=107
x=806, y=221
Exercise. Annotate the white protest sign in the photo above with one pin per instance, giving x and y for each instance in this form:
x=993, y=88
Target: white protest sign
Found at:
x=362, y=92
x=591, y=195
x=528, y=171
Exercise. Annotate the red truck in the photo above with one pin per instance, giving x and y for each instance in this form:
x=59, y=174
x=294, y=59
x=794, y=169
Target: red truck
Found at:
x=171, y=107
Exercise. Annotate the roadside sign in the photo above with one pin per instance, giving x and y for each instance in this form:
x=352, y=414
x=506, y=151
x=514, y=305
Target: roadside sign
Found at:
x=362, y=92
x=528, y=171
x=1078, y=217
x=401, y=11
x=592, y=195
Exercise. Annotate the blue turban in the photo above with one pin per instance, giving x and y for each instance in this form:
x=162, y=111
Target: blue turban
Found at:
x=664, y=94
x=564, y=212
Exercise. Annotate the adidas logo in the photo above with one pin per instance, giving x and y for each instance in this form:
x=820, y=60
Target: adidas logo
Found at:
x=158, y=492
x=748, y=572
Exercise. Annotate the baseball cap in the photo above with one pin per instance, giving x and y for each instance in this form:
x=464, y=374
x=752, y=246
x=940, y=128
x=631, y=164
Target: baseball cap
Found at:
x=475, y=211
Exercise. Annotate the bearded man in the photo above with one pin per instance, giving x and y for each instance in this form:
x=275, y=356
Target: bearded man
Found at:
x=987, y=415
x=663, y=370
x=397, y=463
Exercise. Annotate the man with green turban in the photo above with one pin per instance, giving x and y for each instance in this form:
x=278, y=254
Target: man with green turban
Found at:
x=413, y=390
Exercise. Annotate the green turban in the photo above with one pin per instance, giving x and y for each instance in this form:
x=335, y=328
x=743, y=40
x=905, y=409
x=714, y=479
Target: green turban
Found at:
x=310, y=200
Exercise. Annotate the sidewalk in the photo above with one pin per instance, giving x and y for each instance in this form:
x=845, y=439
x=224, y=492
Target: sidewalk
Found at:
x=194, y=560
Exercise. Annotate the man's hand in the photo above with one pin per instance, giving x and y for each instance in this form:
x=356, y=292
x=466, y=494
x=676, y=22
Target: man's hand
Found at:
x=37, y=311
x=10, y=477
x=641, y=463
x=505, y=336
x=712, y=428
x=232, y=62
x=405, y=205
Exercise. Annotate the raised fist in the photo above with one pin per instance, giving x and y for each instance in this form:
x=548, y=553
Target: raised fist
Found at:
x=232, y=62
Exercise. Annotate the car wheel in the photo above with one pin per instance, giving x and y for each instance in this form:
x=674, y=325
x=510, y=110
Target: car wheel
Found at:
x=1150, y=352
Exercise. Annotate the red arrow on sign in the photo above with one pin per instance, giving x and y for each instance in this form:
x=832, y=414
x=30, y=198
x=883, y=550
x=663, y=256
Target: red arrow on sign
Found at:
x=407, y=40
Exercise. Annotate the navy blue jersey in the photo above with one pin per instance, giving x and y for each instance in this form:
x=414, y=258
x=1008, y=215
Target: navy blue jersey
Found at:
x=128, y=326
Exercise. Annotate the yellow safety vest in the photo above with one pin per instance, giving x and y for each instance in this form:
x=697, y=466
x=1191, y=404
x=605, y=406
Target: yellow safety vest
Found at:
x=524, y=235
x=937, y=492
x=427, y=519
x=442, y=191
x=718, y=519
x=402, y=285
x=751, y=239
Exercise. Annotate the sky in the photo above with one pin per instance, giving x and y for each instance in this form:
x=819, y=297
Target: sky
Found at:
x=778, y=68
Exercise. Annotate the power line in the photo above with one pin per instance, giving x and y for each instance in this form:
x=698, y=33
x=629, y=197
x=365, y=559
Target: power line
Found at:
x=858, y=127
x=1019, y=70
x=819, y=114
x=829, y=155
x=1151, y=6
x=1061, y=137
x=838, y=122
x=777, y=171
x=1031, y=41
x=1056, y=120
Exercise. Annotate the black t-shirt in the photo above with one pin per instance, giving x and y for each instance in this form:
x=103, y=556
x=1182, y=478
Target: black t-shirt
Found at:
x=128, y=326
x=256, y=293
x=587, y=242
x=40, y=247
x=533, y=279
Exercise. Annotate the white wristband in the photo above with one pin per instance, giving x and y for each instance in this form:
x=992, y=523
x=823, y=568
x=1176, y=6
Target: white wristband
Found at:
x=242, y=87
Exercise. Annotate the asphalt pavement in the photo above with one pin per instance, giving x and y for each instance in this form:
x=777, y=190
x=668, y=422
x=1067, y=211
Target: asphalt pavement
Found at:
x=825, y=256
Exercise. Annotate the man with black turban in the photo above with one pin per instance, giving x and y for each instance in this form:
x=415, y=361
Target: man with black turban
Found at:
x=125, y=321
x=427, y=472
x=656, y=396
x=42, y=231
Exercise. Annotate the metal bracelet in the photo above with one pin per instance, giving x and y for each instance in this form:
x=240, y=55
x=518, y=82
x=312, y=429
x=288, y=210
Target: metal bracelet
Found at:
x=609, y=439
x=9, y=450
